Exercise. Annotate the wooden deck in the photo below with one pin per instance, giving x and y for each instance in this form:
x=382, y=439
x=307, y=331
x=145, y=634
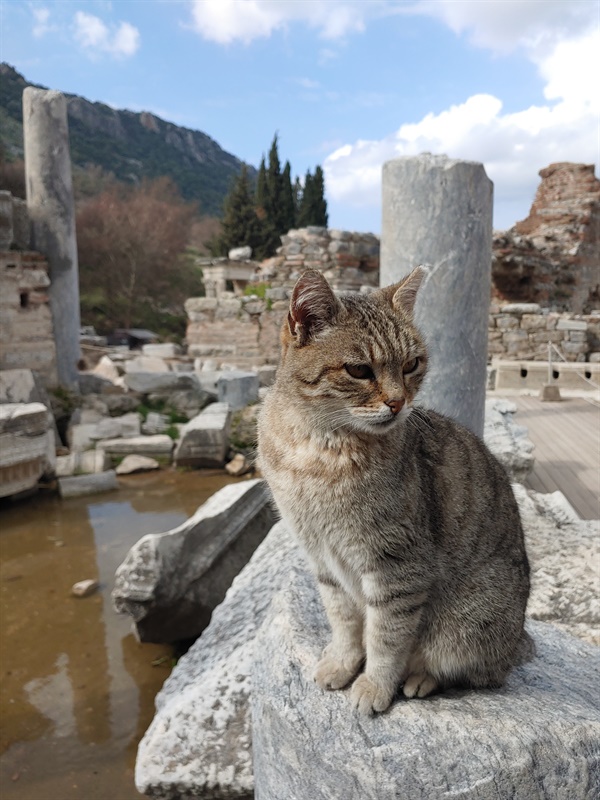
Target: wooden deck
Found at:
x=566, y=436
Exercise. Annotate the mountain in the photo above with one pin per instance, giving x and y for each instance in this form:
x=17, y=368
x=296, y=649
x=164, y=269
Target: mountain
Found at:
x=130, y=145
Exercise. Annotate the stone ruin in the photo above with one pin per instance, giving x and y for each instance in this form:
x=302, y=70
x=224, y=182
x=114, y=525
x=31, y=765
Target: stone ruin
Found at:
x=553, y=256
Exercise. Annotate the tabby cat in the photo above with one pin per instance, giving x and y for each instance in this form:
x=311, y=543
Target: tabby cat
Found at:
x=408, y=522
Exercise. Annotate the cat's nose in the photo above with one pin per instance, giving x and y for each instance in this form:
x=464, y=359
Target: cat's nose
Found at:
x=395, y=405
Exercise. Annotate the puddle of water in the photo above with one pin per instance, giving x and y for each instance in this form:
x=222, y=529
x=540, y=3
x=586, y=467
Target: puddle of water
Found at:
x=77, y=689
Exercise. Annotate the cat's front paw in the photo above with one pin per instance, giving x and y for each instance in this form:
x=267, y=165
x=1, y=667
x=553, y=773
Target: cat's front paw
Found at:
x=370, y=697
x=335, y=673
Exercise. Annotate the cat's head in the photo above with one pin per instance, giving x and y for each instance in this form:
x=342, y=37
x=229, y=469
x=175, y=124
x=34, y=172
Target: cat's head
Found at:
x=353, y=362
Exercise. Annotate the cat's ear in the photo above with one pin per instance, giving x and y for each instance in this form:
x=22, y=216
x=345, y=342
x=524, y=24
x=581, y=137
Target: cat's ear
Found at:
x=403, y=295
x=313, y=306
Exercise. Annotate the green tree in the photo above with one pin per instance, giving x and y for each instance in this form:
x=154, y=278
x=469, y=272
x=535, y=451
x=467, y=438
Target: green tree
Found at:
x=241, y=224
x=313, y=207
x=288, y=206
x=297, y=193
x=262, y=189
x=275, y=188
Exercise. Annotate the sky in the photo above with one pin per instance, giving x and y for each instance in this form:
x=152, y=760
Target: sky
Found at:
x=348, y=84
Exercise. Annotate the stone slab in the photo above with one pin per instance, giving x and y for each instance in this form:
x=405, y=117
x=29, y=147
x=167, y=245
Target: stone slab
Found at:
x=238, y=388
x=204, y=440
x=164, y=350
x=81, y=485
x=159, y=445
x=160, y=382
x=133, y=463
x=169, y=583
x=534, y=737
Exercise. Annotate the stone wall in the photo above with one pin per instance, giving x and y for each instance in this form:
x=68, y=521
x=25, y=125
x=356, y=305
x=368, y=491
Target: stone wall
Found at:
x=552, y=257
x=26, y=330
x=521, y=331
x=348, y=260
x=244, y=331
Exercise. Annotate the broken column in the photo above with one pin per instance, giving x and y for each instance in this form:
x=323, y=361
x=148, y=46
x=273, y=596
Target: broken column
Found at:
x=437, y=211
x=52, y=214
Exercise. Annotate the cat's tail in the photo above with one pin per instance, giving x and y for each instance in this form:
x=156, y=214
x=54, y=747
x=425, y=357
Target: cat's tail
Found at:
x=525, y=649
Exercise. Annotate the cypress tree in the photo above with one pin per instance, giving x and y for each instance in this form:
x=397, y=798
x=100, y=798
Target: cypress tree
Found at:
x=275, y=188
x=240, y=225
x=306, y=206
x=288, y=207
x=262, y=189
x=297, y=193
x=320, y=215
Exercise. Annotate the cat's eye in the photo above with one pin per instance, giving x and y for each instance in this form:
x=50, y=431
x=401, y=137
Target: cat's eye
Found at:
x=410, y=366
x=360, y=371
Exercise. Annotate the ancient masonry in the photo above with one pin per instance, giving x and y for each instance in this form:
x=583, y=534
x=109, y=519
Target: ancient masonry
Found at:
x=553, y=257
x=26, y=329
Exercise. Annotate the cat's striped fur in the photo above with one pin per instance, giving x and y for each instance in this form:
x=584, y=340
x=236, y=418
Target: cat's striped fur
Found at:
x=408, y=521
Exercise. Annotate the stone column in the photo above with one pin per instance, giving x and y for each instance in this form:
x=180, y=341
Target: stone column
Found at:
x=438, y=212
x=52, y=214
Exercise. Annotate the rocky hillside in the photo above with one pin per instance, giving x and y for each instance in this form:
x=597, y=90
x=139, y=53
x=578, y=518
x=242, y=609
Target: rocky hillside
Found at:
x=130, y=145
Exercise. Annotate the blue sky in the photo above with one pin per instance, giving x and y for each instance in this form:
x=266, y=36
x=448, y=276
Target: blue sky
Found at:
x=346, y=84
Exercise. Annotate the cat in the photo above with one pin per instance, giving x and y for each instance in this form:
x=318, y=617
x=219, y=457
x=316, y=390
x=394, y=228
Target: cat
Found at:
x=408, y=521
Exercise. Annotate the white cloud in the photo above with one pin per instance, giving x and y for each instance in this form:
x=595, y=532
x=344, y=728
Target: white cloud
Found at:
x=564, y=45
x=226, y=21
x=41, y=24
x=96, y=37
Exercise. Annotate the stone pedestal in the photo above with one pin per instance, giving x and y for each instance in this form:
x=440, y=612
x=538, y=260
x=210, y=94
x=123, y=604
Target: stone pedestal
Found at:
x=51, y=211
x=438, y=212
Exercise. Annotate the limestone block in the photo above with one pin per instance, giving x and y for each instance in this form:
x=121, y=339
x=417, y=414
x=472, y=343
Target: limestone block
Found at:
x=22, y=386
x=86, y=462
x=146, y=363
x=133, y=463
x=506, y=322
x=155, y=423
x=171, y=582
x=82, y=436
x=158, y=446
x=161, y=382
x=112, y=427
x=165, y=350
x=571, y=325
x=276, y=293
x=208, y=692
x=25, y=441
x=266, y=375
x=80, y=485
x=204, y=440
x=533, y=322
x=107, y=369
x=238, y=389
x=200, y=304
x=534, y=737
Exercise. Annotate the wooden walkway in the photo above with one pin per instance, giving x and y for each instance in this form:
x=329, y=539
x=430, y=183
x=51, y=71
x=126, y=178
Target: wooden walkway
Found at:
x=566, y=436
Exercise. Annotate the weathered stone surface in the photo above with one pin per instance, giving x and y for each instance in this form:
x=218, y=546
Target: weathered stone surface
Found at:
x=200, y=740
x=86, y=462
x=438, y=212
x=508, y=441
x=160, y=382
x=204, y=440
x=552, y=256
x=26, y=446
x=133, y=463
x=127, y=426
x=146, y=364
x=208, y=692
x=171, y=582
x=52, y=214
x=159, y=445
x=237, y=388
x=155, y=423
x=22, y=386
x=89, y=383
x=107, y=369
x=164, y=350
x=535, y=737
x=80, y=485
x=266, y=375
